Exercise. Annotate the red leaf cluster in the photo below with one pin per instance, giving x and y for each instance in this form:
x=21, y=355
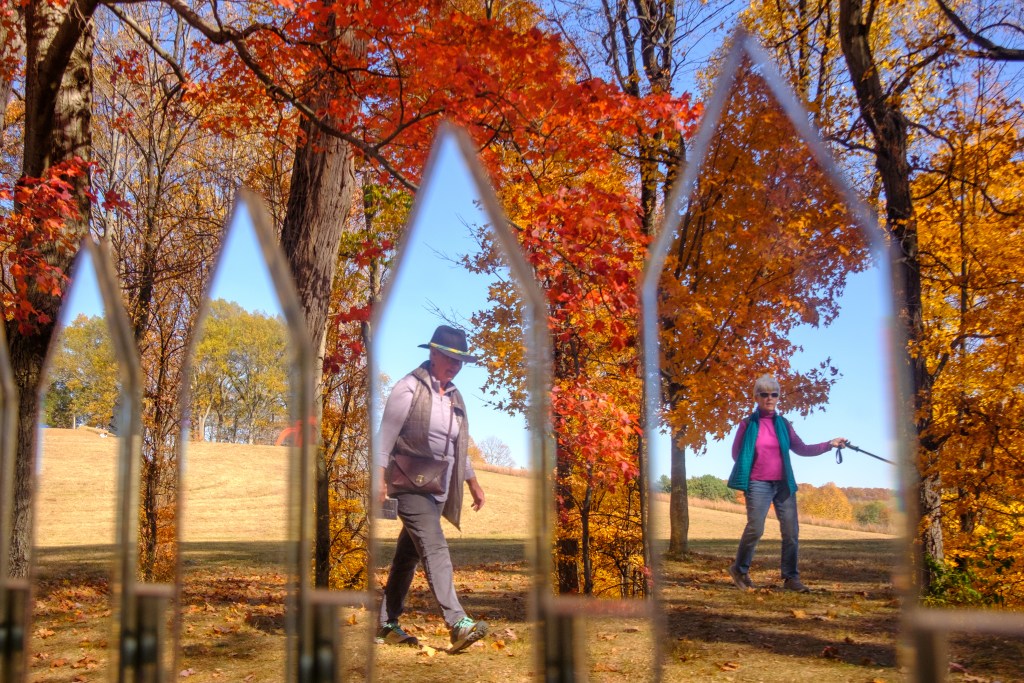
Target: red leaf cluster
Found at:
x=37, y=228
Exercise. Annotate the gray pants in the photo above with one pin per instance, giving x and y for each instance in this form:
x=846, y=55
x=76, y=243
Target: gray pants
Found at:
x=421, y=540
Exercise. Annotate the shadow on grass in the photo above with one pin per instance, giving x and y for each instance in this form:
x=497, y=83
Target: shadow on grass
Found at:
x=856, y=560
x=852, y=616
x=256, y=554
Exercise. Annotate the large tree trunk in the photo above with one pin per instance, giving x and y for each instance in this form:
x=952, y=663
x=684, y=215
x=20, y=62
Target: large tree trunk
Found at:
x=58, y=110
x=883, y=116
x=323, y=179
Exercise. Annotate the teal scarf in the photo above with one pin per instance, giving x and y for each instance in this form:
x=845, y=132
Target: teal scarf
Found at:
x=740, y=477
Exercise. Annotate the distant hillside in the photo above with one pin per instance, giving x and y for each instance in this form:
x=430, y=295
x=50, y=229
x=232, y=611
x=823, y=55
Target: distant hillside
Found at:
x=237, y=492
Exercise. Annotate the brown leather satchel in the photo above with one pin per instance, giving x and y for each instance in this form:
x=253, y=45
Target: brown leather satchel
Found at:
x=414, y=474
x=419, y=474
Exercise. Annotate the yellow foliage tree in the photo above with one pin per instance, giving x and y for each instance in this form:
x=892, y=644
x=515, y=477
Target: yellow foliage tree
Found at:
x=764, y=246
x=973, y=296
x=825, y=502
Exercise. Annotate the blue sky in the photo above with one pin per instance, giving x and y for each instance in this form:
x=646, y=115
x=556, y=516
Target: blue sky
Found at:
x=860, y=408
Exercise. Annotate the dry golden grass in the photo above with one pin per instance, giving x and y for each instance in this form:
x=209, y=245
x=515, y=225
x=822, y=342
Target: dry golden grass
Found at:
x=78, y=484
x=232, y=606
x=77, y=502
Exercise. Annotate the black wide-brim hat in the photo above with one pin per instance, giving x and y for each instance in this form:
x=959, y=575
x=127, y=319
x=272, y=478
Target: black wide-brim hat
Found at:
x=451, y=342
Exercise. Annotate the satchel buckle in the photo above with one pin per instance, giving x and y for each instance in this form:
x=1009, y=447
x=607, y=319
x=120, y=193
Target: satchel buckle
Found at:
x=420, y=479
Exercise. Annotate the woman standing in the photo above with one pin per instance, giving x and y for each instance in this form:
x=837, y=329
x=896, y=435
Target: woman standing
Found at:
x=763, y=471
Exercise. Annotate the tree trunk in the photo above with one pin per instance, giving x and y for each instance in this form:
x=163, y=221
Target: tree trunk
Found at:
x=566, y=563
x=199, y=432
x=644, y=484
x=883, y=116
x=588, y=564
x=322, y=183
x=58, y=111
x=678, y=504
x=149, y=519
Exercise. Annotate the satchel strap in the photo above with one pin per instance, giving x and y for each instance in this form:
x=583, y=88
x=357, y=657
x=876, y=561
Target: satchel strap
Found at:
x=451, y=421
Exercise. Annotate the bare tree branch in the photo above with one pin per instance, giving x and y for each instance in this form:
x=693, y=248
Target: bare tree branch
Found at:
x=989, y=50
x=148, y=40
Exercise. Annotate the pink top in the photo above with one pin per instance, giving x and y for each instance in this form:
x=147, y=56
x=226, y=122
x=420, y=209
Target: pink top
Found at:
x=767, y=456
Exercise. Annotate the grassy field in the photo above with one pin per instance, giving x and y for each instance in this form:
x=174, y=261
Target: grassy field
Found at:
x=232, y=623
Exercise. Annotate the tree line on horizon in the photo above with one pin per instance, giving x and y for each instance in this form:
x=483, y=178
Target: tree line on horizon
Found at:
x=874, y=508
x=239, y=386
x=328, y=110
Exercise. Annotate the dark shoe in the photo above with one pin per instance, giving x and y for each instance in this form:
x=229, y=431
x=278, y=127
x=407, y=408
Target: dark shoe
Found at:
x=465, y=633
x=795, y=585
x=392, y=634
x=741, y=580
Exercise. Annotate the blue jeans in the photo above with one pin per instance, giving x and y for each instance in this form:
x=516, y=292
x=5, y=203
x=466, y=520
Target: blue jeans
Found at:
x=760, y=496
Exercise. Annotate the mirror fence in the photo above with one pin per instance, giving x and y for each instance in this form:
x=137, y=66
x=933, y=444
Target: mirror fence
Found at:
x=215, y=494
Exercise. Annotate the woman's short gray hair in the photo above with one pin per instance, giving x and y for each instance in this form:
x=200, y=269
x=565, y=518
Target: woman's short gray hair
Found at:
x=766, y=383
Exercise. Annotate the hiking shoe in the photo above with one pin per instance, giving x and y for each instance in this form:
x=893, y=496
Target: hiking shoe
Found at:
x=795, y=585
x=392, y=634
x=741, y=580
x=465, y=633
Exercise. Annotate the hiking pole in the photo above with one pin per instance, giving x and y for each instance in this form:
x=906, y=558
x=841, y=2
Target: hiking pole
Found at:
x=839, y=454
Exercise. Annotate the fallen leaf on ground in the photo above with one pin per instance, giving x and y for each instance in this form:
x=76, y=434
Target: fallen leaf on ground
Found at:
x=498, y=644
x=729, y=666
x=351, y=621
x=427, y=650
x=86, y=662
x=799, y=613
x=830, y=652
x=185, y=673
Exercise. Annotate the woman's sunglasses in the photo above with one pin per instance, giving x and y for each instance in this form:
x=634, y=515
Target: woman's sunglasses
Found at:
x=765, y=394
